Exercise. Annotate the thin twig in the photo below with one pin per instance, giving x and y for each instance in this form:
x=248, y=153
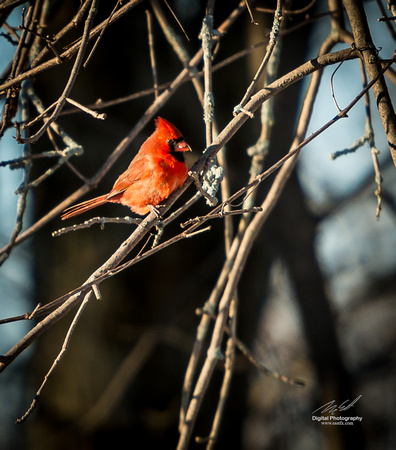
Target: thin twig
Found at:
x=177, y=20
x=250, y=13
x=152, y=53
x=276, y=26
x=105, y=26
x=95, y=114
x=102, y=221
x=57, y=360
x=220, y=215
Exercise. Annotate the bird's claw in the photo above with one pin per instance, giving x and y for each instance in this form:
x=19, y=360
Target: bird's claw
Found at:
x=156, y=211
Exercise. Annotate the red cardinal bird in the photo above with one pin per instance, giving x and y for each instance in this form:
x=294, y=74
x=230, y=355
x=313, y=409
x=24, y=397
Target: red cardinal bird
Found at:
x=154, y=173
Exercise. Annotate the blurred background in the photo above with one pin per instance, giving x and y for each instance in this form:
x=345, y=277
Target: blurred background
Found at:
x=317, y=296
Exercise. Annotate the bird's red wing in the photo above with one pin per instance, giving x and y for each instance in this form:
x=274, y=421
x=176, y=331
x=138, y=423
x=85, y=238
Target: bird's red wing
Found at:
x=138, y=170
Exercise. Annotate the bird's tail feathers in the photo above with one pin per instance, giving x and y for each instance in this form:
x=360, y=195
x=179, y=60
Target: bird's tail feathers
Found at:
x=84, y=206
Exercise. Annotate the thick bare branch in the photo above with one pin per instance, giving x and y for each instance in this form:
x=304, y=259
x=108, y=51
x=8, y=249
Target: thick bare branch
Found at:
x=365, y=45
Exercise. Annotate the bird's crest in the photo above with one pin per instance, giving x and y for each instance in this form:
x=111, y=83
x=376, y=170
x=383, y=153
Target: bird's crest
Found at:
x=166, y=129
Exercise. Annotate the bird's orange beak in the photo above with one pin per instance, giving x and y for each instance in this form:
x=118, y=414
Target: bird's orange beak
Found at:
x=182, y=146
